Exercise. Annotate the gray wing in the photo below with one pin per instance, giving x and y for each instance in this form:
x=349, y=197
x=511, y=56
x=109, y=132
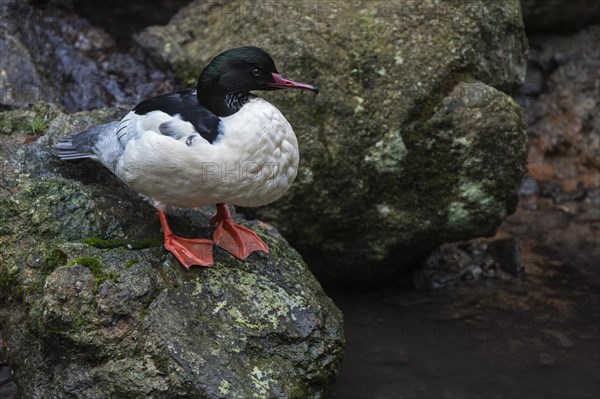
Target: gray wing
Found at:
x=98, y=142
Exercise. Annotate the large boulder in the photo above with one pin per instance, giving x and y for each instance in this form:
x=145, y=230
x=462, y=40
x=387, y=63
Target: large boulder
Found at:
x=92, y=306
x=412, y=141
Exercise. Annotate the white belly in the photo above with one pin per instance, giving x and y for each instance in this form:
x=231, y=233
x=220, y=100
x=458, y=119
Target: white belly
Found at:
x=252, y=163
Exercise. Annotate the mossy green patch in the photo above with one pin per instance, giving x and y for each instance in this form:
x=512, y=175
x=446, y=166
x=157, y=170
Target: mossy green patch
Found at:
x=129, y=244
x=96, y=268
x=53, y=260
x=39, y=123
x=130, y=263
x=475, y=193
x=91, y=263
x=57, y=208
x=11, y=122
x=33, y=121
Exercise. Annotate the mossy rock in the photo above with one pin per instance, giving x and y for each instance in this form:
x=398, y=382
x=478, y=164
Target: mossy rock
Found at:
x=92, y=306
x=32, y=121
x=413, y=140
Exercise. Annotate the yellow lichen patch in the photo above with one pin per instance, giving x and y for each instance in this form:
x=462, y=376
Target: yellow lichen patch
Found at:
x=261, y=383
x=261, y=305
x=224, y=387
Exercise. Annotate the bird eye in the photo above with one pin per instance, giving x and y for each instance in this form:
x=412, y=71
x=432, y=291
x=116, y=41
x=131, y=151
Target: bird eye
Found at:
x=256, y=72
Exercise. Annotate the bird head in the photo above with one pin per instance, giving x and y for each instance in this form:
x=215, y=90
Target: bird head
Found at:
x=244, y=69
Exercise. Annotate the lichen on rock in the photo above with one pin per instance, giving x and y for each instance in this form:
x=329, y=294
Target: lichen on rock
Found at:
x=92, y=306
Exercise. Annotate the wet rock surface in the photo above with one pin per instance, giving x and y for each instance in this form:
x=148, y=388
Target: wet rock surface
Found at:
x=471, y=260
x=123, y=19
x=412, y=141
x=53, y=54
x=84, y=316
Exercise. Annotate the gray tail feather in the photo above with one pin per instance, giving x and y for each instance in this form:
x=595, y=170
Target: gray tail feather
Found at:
x=67, y=150
x=81, y=145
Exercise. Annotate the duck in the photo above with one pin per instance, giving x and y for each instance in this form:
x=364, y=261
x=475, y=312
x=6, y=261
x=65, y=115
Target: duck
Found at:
x=216, y=144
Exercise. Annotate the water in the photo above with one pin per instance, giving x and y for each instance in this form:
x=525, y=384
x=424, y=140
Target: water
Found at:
x=535, y=336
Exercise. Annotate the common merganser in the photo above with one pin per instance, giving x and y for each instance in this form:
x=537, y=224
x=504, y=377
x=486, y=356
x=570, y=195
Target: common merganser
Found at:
x=215, y=144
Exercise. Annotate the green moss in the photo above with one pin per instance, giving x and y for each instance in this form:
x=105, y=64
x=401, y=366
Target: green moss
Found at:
x=54, y=259
x=91, y=263
x=129, y=244
x=39, y=123
x=130, y=263
x=97, y=270
x=11, y=122
x=104, y=244
x=33, y=121
x=474, y=192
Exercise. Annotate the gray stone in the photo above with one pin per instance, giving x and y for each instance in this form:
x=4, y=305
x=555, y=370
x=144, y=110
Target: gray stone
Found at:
x=412, y=141
x=449, y=264
x=506, y=252
x=83, y=316
x=19, y=80
x=52, y=54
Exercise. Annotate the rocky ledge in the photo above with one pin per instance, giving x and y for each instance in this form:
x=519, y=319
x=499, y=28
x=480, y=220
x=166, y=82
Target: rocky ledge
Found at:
x=92, y=306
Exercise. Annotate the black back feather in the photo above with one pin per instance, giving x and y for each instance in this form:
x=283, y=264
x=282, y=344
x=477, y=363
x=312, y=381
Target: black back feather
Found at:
x=185, y=103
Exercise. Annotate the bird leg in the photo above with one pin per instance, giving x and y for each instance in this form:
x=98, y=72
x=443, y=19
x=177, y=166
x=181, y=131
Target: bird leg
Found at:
x=236, y=239
x=189, y=251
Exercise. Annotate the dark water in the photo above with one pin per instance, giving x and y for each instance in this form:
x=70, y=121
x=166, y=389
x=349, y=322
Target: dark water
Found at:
x=531, y=337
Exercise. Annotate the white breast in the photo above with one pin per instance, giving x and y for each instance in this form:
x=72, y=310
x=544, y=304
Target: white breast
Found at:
x=253, y=161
